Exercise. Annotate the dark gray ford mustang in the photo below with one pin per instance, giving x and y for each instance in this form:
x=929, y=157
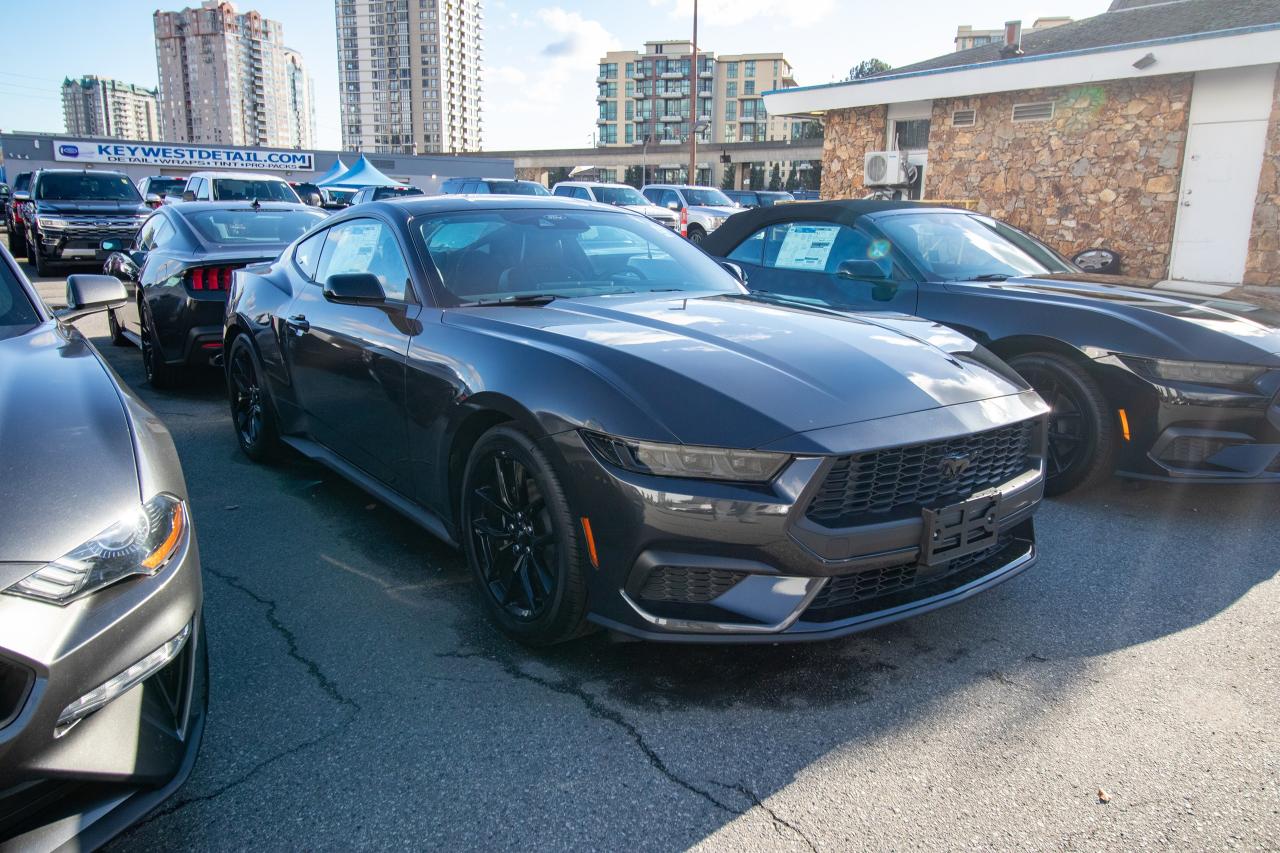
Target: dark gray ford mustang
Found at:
x=619, y=434
x=102, y=662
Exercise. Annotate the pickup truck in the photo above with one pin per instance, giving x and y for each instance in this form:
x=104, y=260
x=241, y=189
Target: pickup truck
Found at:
x=71, y=211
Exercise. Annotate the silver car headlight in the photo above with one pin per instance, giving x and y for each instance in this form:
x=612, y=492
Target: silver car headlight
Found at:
x=682, y=460
x=141, y=543
x=1197, y=372
x=50, y=222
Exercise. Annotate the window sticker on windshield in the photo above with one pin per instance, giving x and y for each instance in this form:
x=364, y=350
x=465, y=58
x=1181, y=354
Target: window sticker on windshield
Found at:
x=354, y=252
x=806, y=247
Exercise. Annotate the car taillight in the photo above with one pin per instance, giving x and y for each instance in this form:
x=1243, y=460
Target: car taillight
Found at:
x=684, y=222
x=209, y=278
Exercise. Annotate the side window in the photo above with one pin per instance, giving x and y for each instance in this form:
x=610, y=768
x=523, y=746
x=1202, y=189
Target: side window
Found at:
x=583, y=194
x=145, y=238
x=365, y=245
x=482, y=188
x=163, y=234
x=202, y=189
x=653, y=195
x=820, y=247
x=307, y=254
x=563, y=191
x=750, y=250
x=669, y=196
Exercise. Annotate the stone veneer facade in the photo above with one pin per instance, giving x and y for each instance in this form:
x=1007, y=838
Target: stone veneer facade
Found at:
x=1263, y=263
x=1104, y=171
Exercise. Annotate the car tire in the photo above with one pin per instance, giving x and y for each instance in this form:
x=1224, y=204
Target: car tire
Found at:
x=1082, y=438
x=522, y=542
x=17, y=243
x=696, y=235
x=42, y=266
x=116, y=330
x=160, y=374
x=252, y=413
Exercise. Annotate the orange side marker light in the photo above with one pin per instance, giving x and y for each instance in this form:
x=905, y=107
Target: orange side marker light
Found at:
x=591, y=542
x=1124, y=424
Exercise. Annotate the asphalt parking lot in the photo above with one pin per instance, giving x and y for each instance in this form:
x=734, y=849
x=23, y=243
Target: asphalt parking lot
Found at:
x=359, y=698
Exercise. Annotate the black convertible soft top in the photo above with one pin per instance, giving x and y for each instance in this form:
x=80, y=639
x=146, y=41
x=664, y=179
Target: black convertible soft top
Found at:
x=740, y=226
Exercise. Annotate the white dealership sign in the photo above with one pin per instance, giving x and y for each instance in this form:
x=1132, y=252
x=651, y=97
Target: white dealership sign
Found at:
x=180, y=155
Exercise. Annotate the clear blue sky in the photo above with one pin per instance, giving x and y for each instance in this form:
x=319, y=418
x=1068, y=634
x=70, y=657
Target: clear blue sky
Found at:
x=540, y=56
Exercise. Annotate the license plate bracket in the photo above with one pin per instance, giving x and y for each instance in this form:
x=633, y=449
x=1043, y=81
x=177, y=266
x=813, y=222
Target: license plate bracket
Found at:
x=960, y=529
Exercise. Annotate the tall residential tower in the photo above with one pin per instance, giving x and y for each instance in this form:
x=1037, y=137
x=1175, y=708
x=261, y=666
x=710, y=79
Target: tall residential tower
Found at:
x=93, y=106
x=226, y=78
x=410, y=74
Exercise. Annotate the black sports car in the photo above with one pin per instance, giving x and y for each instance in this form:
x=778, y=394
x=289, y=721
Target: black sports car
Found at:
x=1150, y=379
x=618, y=433
x=178, y=271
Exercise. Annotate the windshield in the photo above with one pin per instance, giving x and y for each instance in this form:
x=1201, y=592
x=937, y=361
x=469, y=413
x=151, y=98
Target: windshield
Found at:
x=504, y=254
x=85, y=186
x=393, y=192
x=339, y=196
x=517, y=188
x=956, y=247
x=706, y=197
x=247, y=189
x=252, y=227
x=619, y=195
x=16, y=312
x=164, y=186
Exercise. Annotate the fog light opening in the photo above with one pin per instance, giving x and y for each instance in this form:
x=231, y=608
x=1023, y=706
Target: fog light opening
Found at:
x=591, y=542
x=1124, y=424
x=121, y=683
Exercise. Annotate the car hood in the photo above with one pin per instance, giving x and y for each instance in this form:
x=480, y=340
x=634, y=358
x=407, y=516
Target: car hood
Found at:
x=652, y=211
x=67, y=470
x=725, y=370
x=1182, y=323
x=708, y=210
x=107, y=208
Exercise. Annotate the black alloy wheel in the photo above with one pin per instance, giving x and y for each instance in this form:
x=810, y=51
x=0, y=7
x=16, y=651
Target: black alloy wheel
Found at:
x=42, y=266
x=1080, y=448
x=159, y=373
x=696, y=235
x=521, y=541
x=251, y=410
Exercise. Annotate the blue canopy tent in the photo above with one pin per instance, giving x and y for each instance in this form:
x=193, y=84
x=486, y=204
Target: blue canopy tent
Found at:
x=362, y=174
x=336, y=170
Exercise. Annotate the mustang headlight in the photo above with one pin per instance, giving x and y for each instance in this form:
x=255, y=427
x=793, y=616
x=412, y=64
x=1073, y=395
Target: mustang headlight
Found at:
x=1197, y=372
x=140, y=543
x=682, y=460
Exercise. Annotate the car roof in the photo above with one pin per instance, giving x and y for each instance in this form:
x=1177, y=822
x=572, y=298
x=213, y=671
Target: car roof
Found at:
x=427, y=204
x=85, y=171
x=841, y=211
x=196, y=206
x=239, y=175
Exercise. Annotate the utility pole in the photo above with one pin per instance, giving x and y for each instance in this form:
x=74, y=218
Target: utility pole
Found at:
x=693, y=102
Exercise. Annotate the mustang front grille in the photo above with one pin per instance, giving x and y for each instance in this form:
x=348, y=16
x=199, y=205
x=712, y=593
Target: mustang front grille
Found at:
x=882, y=485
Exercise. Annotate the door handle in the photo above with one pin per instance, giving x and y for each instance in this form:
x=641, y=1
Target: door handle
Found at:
x=298, y=323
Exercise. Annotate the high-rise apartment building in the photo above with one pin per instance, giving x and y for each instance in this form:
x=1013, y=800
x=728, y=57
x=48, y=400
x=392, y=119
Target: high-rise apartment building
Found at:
x=302, y=97
x=93, y=106
x=646, y=94
x=410, y=74
x=225, y=78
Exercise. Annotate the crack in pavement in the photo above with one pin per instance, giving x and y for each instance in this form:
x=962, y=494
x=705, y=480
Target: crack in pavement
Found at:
x=313, y=670
x=778, y=820
x=600, y=711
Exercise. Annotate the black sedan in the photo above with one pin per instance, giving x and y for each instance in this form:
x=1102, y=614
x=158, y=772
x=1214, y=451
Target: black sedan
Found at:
x=1148, y=379
x=103, y=674
x=618, y=434
x=178, y=271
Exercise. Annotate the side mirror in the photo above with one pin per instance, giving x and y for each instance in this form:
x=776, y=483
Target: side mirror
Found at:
x=153, y=200
x=734, y=270
x=356, y=288
x=673, y=205
x=188, y=195
x=22, y=195
x=861, y=269
x=89, y=294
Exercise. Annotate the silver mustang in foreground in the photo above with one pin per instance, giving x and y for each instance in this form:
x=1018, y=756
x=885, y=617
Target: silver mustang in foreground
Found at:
x=103, y=674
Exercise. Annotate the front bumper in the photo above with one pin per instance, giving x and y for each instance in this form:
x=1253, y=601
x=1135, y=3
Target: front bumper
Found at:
x=86, y=783
x=1197, y=434
x=82, y=242
x=697, y=561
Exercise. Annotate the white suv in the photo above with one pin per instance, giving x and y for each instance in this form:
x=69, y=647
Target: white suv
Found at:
x=237, y=186
x=701, y=209
x=619, y=195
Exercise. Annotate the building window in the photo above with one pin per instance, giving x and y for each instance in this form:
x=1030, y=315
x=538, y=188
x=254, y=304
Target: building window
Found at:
x=730, y=110
x=1037, y=111
x=750, y=70
x=609, y=111
x=732, y=70
x=731, y=89
x=749, y=87
x=631, y=134
x=608, y=134
x=609, y=70
x=911, y=134
x=964, y=118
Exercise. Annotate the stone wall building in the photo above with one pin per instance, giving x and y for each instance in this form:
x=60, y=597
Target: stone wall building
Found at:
x=1151, y=130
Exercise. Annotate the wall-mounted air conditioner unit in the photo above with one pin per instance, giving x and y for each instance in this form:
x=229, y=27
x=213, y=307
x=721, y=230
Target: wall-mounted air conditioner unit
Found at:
x=884, y=169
